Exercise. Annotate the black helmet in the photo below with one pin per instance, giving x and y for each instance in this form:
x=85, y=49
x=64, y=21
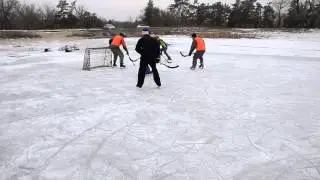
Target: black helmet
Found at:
x=122, y=34
x=194, y=35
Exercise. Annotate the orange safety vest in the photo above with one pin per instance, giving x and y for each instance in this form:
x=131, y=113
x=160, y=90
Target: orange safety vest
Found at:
x=201, y=46
x=118, y=40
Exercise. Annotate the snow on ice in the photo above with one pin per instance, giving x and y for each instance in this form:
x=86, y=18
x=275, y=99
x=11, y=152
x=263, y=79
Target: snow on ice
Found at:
x=252, y=113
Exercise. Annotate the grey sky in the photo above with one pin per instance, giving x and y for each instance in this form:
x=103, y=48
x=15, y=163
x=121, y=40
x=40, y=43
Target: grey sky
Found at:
x=117, y=9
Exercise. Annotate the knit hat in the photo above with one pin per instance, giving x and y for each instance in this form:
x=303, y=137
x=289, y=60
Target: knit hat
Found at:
x=122, y=34
x=145, y=31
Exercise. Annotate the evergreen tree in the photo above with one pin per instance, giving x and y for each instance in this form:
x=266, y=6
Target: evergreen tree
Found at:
x=65, y=16
x=280, y=6
x=148, y=16
x=258, y=16
x=219, y=14
x=181, y=10
x=235, y=15
x=201, y=14
x=243, y=14
x=296, y=15
x=268, y=16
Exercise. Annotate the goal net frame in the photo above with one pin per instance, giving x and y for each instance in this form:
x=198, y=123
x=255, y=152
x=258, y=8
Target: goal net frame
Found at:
x=103, y=52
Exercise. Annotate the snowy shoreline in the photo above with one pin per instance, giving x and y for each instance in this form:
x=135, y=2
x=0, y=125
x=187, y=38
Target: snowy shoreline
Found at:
x=65, y=35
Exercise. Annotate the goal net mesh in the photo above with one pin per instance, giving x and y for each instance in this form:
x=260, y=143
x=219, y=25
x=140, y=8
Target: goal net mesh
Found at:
x=97, y=57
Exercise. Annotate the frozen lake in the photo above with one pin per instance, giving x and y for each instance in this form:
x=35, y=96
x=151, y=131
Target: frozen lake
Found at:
x=252, y=113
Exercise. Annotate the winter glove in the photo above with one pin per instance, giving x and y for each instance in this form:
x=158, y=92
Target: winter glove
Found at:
x=157, y=59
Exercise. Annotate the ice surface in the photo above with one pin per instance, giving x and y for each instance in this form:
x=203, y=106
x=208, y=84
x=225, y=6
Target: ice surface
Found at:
x=252, y=113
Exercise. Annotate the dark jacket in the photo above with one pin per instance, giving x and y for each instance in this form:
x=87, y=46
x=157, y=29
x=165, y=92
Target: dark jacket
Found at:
x=149, y=48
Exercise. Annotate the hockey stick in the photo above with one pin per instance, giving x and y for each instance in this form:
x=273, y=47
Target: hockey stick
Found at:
x=167, y=60
x=171, y=67
x=183, y=55
x=133, y=60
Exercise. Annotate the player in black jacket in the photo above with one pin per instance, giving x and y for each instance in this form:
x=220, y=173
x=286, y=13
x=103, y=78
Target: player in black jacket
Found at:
x=149, y=49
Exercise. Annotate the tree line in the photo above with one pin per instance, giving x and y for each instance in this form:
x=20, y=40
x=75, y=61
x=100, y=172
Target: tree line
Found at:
x=16, y=15
x=241, y=14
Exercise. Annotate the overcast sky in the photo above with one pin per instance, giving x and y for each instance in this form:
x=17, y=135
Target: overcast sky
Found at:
x=116, y=9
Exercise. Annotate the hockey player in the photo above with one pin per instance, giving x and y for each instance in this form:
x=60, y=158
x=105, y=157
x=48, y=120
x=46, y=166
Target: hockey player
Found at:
x=200, y=46
x=163, y=47
x=149, y=49
x=116, y=42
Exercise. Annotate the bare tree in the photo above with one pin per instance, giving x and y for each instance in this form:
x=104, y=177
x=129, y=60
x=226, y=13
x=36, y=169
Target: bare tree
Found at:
x=280, y=6
x=29, y=17
x=80, y=11
x=48, y=15
x=7, y=13
x=82, y=14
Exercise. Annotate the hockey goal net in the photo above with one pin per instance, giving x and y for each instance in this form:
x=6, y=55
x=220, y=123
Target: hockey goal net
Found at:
x=97, y=57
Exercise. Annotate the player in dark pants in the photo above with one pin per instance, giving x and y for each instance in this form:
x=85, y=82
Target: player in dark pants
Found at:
x=115, y=44
x=149, y=49
x=199, y=45
x=198, y=55
x=163, y=47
